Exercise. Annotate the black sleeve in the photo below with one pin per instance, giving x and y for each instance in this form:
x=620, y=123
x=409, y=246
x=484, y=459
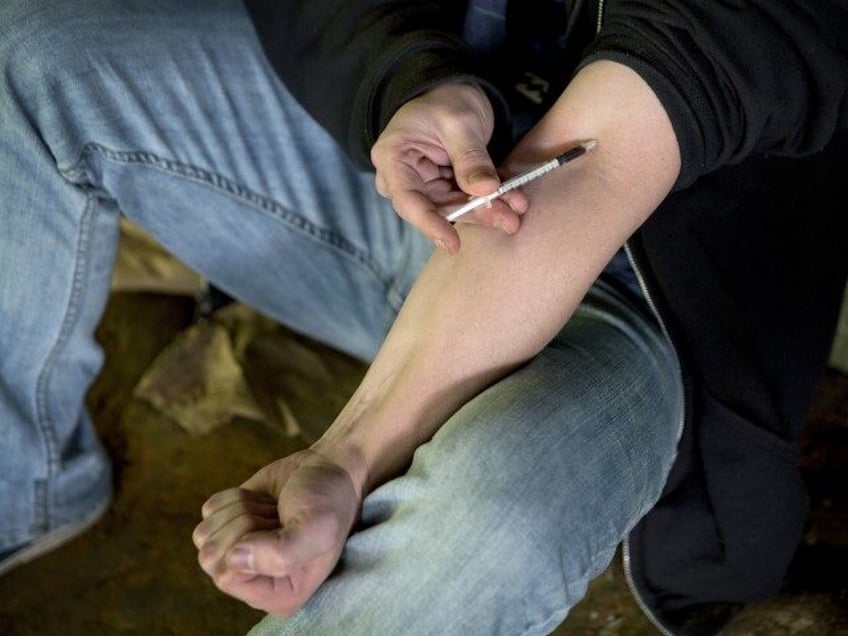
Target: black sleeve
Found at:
x=736, y=76
x=353, y=63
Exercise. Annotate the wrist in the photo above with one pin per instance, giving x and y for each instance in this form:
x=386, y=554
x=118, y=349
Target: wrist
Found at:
x=391, y=415
x=349, y=457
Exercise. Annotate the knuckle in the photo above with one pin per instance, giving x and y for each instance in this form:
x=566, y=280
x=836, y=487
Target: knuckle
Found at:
x=404, y=213
x=473, y=154
x=221, y=579
x=379, y=185
x=461, y=123
x=212, y=503
x=227, y=581
x=198, y=537
x=208, y=556
x=381, y=144
x=382, y=149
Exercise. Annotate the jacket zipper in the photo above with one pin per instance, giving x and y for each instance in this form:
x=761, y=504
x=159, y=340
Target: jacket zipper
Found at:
x=625, y=553
x=628, y=576
x=600, y=21
x=625, y=548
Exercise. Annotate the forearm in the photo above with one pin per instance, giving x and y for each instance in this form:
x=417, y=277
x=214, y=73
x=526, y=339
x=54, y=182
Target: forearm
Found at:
x=474, y=316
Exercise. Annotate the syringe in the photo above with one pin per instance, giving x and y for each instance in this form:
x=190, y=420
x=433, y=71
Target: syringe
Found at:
x=519, y=180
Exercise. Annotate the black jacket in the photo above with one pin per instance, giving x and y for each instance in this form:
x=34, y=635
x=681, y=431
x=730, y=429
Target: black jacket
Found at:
x=745, y=262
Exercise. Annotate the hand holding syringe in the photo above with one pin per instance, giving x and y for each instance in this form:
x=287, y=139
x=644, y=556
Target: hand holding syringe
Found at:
x=518, y=181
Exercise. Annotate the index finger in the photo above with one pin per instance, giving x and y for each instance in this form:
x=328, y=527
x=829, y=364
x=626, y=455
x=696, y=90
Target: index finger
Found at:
x=407, y=193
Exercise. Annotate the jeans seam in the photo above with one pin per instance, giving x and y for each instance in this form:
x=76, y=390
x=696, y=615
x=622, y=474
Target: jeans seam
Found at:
x=68, y=321
x=235, y=190
x=583, y=576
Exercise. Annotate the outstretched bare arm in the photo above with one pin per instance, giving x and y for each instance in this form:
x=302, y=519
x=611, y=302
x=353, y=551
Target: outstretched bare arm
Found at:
x=470, y=318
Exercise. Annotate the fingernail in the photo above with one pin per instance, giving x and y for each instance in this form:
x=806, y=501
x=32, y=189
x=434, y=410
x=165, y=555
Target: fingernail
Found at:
x=481, y=175
x=439, y=243
x=241, y=558
x=500, y=224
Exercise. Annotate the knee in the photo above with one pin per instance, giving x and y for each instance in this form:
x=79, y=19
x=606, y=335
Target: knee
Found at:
x=34, y=40
x=60, y=74
x=495, y=518
x=42, y=46
x=477, y=561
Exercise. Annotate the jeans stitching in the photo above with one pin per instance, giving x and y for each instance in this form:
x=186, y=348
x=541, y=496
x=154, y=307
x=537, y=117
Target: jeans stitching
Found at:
x=237, y=191
x=71, y=314
x=40, y=520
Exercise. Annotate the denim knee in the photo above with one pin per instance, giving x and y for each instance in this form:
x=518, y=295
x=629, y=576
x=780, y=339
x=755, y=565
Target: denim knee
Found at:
x=45, y=55
x=38, y=42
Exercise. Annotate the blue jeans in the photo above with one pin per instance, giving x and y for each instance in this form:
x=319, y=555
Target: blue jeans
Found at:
x=167, y=112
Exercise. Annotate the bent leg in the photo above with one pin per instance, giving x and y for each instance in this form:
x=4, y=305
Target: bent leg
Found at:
x=521, y=498
x=167, y=112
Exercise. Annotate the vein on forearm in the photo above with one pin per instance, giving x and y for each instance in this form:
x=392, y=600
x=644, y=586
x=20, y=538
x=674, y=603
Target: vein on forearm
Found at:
x=472, y=317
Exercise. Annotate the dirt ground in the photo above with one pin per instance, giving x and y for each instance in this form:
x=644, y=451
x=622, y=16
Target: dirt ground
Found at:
x=135, y=572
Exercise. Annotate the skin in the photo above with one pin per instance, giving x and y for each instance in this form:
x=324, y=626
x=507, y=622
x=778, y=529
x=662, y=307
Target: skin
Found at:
x=432, y=157
x=486, y=303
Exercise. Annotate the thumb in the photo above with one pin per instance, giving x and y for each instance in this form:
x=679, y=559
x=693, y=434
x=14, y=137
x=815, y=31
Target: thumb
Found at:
x=279, y=553
x=473, y=168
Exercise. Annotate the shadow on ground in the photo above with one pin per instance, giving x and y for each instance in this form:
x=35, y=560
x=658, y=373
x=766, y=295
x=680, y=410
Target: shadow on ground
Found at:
x=135, y=572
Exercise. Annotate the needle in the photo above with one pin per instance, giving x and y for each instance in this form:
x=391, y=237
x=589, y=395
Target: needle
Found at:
x=517, y=181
